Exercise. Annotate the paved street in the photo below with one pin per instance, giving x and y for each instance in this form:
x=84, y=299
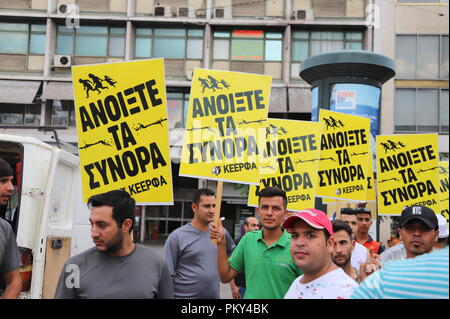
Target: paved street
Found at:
x=158, y=245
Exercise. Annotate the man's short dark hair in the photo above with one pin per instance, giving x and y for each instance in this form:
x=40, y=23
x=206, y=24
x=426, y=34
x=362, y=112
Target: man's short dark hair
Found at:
x=5, y=168
x=363, y=210
x=246, y=221
x=121, y=202
x=200, y=192
x=272, y=192
x=339, y=224
x=348, y=211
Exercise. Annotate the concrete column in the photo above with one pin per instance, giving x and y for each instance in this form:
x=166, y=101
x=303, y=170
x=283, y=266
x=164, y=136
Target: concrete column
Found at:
x=287, y=9
x=129, y=41
x=131, y=8
x=209, y=6
x=207, y=43
x=286, y=54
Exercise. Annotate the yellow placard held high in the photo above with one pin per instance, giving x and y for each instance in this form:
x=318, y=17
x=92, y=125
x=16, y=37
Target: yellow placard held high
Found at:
x=292, y=158
x=226, y=124
x=444, y=188
x=345, y=169
x=123, y=136
x=408, y=172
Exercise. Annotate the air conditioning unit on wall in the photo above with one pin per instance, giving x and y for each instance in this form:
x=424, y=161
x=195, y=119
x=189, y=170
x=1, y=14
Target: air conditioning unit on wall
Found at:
x=185, y=12
x=162, y=12
x=304, y=14
x=222, y=13
x=66, y=8
x=62, y=61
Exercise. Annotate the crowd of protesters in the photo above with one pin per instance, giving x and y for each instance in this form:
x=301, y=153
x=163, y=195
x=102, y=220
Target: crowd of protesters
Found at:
x=295, y=255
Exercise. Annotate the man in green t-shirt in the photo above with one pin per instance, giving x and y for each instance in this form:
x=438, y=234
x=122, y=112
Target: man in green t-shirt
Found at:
x=263, y=255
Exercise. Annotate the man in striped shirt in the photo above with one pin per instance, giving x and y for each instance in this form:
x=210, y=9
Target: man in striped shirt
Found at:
x=422, y=277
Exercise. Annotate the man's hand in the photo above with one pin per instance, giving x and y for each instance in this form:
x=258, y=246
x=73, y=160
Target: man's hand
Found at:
x=234, y=290
x=217, y=233
x=13, y=284
x=366, y=269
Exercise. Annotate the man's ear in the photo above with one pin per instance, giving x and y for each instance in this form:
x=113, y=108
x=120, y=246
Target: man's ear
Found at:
x=127, y=225
x=436, y=236
x=330, y=243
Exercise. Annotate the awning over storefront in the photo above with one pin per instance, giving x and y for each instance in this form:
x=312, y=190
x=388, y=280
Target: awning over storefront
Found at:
x=58, y=91
x=18, y=92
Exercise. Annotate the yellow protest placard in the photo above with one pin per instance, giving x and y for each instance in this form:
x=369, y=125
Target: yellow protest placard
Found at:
x=226, y=125
x=444, y=188
x=291, y=156
x=123, y=136
x=345, y=169
x=407, y=172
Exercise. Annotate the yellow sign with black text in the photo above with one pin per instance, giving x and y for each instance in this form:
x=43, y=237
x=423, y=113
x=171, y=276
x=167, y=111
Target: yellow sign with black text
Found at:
x=444, y=188
x=291, y=155
x=226, y=125
x=123, y=136
x=407, y=172
x=345, y=168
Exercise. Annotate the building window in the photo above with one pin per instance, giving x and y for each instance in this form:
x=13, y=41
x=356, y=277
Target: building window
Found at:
x=248, y=50
x=177, y=108
x=253, y=9
x=181, y=48
x=309, y=43
x=421, y=110
x=19, y=114
x=20, y=38
x=91, y=41
x=422, y=1
x=247, y=45
x=169, y=43
x=110, y=6
x=422, y=57
x=336, y=8
x=63, y=113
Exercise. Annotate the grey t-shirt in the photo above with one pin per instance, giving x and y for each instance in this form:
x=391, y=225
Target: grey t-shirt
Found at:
x=192, y=261
x=9, y=252
x=142, y=274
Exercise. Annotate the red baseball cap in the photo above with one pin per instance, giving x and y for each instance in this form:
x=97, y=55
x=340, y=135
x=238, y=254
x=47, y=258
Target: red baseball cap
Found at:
x=313, y=217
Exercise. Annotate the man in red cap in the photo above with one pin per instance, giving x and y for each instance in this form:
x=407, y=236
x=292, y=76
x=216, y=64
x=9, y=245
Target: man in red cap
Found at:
x=311, y=247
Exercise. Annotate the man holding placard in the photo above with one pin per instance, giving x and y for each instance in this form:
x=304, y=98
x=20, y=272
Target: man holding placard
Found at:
x=263, y=255
x=189, y=254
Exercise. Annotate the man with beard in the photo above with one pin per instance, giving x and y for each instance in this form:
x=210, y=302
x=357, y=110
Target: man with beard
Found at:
x=263, y=255
x=343, y=247
x=360, y=254
x=116, y=268
x=9, y=252
x=311, y=246
x=191, y=257
x=419, y=230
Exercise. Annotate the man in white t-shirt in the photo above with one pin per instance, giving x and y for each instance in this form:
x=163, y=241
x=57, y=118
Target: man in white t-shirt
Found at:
x=360, y=254
x=311, y=246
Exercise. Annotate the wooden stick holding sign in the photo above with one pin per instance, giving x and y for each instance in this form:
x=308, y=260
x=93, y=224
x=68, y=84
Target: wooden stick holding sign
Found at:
x=218, y=207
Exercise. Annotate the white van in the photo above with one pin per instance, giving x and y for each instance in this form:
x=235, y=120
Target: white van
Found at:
x=47, y=214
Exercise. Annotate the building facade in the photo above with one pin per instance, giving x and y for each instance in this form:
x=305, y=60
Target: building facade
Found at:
x=40, y=40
